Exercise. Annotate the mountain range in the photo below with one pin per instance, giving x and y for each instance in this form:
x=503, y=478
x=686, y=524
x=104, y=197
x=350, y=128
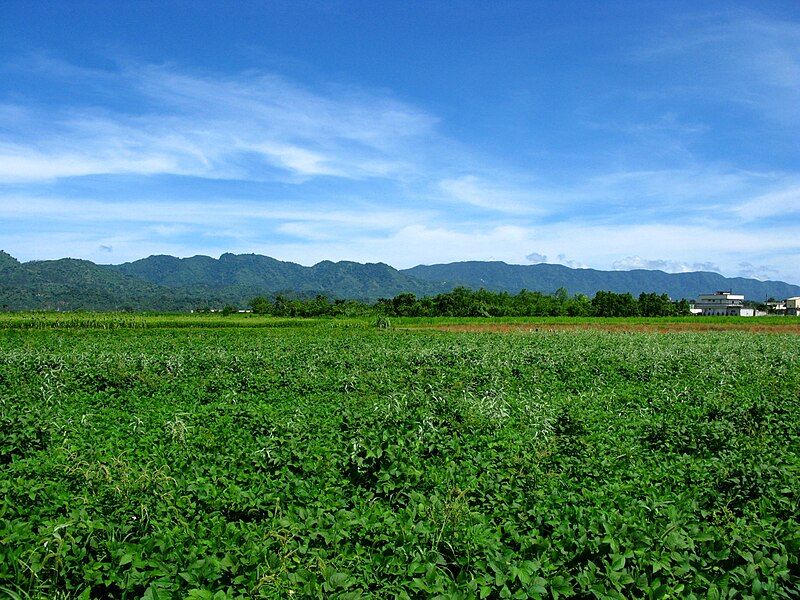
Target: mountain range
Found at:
x=166, y=283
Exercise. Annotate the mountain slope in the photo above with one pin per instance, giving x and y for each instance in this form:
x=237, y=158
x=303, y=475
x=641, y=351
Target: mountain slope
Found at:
x=253, y=274
x=499, y=276
x=7, y=261
x=204, y=271
x=70, y=284
x=168, y=283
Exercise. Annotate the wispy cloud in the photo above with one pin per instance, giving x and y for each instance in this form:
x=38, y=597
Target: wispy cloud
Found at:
x=562, y=259
x=251, y=126
x=181, y=214
x=738, y=56
x=20, y=163
x=781, y=202
x=401, y=238
x=346, y=173
x=261, y=127
x=762, y=272
x=674, y=186
x=494, y=196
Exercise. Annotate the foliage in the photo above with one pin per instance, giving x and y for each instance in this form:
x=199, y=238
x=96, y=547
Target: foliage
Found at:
x=462, y=302
x=334, y=459
x=499, y=276
x=166, y=283
x=609, y=304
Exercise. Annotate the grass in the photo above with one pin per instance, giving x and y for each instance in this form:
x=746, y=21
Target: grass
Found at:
x=249, y=457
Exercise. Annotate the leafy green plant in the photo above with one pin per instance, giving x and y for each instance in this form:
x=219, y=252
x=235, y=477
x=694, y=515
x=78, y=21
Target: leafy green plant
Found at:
x=206, y=459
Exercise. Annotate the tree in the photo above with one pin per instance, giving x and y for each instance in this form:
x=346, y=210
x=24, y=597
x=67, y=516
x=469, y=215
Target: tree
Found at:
x=260, y=305
x=280, y=307
x=610, y=304
x=403, y=305
x=653, y=305
x=579, y=306
x=319, y=306
x=682, y=308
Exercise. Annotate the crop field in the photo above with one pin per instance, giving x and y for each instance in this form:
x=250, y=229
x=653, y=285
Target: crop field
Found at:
x=183, y=457
x=694, y=324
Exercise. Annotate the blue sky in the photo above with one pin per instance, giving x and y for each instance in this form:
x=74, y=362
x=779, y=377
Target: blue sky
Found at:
x=611, y=135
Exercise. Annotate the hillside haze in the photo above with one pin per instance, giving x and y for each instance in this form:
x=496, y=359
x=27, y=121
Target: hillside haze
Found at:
x=169, y=283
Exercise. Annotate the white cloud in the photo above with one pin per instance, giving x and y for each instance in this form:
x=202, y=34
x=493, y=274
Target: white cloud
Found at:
x=568, y=262
x=202, y=214
x=761, y=272
x=20, y=164
x=262, y=127
x=405, y=239
x=643, y=195
x=257, y=127
x=215, y=127
x=785, y=201
x=537, y=259
x=482, y=194
x=670, y=266
x=298, y=160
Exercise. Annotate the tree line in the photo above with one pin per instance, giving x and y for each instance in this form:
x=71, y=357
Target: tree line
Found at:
x=463, y=302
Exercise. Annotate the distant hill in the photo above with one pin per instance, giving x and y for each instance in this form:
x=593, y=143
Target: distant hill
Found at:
x=246, y=275
x=167, y=283
x=499, y=276
x=70, y=284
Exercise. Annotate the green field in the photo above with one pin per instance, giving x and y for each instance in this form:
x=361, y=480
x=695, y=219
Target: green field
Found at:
x=199, y=457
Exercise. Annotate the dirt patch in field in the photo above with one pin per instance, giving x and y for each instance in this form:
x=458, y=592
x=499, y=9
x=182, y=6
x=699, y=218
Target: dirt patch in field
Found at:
x=700, y=326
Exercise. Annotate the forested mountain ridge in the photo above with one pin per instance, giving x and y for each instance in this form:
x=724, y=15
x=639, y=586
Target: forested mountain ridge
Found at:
x=256, y=274
x=71, y=284
x=547, y=278
x=167, y=283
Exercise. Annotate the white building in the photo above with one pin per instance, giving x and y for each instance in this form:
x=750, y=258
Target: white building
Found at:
x=776, y=307
x=723, y=304
x=793, y=306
